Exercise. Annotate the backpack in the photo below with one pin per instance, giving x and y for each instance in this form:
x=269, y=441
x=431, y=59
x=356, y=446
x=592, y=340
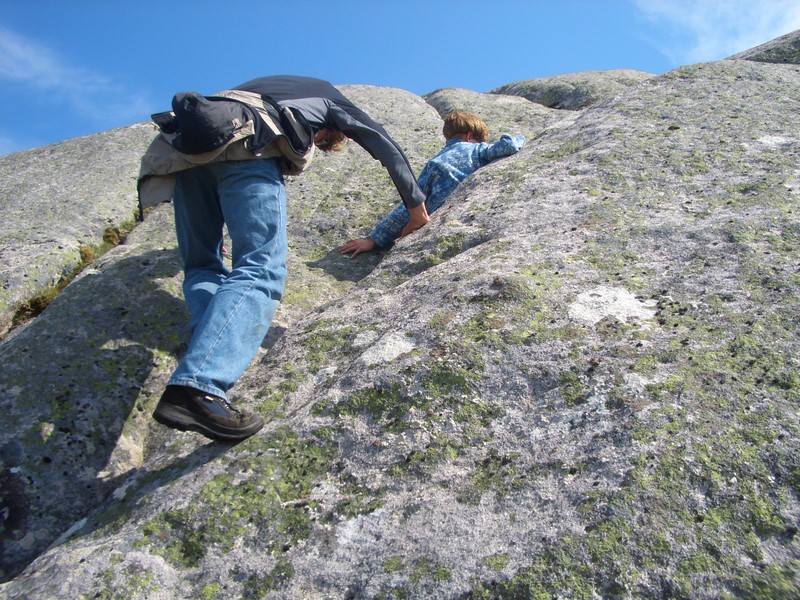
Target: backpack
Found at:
x=200, y=127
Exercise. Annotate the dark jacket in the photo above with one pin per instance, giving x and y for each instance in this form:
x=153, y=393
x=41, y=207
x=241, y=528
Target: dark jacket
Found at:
x=323, y=106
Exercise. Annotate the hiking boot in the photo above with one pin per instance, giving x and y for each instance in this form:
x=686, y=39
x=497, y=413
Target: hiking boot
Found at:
x=188, y=409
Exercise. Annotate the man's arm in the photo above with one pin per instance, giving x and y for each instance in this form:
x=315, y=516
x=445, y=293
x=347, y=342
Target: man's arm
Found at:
x=419, y=218
x=382, y=147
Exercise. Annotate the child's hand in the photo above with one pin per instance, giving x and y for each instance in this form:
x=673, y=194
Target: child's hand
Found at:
x=357, y=247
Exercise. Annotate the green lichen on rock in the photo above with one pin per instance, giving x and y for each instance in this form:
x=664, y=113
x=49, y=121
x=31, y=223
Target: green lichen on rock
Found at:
x=496, y=472
x=444, y=388
x=517, y=309
x=574, y=91
x=733, y=465
x=322, y=338
x=130, y=581
x=496, y=562
x=446, y=247
x=256, y=586
x=269, y=490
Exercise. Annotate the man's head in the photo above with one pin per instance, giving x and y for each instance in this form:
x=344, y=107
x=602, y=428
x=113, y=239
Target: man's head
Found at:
x=329, y=140
x=465, y=126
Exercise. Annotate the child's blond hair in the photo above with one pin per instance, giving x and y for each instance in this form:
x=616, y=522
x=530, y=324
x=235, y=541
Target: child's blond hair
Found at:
x=460, y=123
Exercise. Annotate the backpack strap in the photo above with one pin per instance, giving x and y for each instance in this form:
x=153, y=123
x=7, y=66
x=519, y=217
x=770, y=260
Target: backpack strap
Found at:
x=293, y=124
x=282, y=125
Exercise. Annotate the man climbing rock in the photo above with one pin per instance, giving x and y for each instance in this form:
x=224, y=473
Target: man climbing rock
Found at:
x=223, y=159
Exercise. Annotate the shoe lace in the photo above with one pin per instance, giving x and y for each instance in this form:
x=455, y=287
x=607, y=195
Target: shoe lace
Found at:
x=231, y=408
x=237, y=413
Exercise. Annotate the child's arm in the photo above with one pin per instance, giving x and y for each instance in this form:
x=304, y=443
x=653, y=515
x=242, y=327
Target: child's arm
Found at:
x=505, y=146
x=388, y=230
x=356, y=247
x=390, y=227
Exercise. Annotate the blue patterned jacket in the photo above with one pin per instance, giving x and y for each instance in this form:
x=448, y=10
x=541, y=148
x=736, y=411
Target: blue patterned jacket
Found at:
x=454, y=163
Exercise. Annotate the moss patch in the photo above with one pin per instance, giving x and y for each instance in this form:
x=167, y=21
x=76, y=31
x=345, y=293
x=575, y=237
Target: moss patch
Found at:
x=496, y=472
x=716, y=481
x=33, y=307
x=322, y=339
x=447, y=246
x=263, y=501
x=446, y=387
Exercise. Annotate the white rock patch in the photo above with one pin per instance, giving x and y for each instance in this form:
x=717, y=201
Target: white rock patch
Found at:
x=776, y=141
x=365, y=338
x=363, y=530
x=388, y=348
x=769, y=142
x=598, y=303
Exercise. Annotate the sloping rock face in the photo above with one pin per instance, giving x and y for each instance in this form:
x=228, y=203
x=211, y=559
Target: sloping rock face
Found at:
x=782, y=50
x=78, y=383
x=575, y=91
x=580, y=380
x=56, y=200
x=503, y=114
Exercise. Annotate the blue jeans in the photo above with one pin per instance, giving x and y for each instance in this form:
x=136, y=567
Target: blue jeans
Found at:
x=231, y=310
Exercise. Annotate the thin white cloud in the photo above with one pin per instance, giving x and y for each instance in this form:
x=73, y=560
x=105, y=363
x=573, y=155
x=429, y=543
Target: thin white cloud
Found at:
x=706, y=30
x=33, y=65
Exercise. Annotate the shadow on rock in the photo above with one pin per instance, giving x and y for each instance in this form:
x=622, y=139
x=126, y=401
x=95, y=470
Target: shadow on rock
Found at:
x=132, y=487
x=75, y=398
x=343, y=268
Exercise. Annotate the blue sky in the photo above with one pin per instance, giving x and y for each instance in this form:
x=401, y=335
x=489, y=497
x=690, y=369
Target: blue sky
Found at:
x=75, y=67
